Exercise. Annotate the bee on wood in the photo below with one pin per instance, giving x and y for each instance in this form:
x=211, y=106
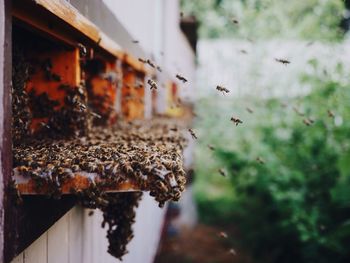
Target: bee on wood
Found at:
x=194, y=136
x=330, y=114
x=135, y=41
x=178, y=76
x=236, y=120
x=142, y=60
x=211, y=147
x=260, y=160
x=222, y=172
x=82, y=50
x=222, y=89
x=223, y=234
x=149, y=62
x=152, y=83
x=249, y=110
x=283, y=61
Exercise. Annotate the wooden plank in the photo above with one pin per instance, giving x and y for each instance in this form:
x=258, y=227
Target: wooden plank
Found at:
x=57, y=245
x=27, y=186
x=37, y=251
x=29, y=12
x=75, y=234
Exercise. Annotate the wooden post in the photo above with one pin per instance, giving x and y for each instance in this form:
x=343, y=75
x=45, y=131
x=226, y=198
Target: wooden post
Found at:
x=132, y=94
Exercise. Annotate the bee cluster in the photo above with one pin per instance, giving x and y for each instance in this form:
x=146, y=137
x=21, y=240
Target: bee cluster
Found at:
x=54, y=141
x=21, y=114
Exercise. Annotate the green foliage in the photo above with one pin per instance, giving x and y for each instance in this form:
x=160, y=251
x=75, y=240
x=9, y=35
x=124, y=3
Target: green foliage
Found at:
x=296, y=206
x=311, y=19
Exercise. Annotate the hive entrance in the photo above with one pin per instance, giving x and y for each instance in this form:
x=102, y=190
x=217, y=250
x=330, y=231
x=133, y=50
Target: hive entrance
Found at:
x=67, y=141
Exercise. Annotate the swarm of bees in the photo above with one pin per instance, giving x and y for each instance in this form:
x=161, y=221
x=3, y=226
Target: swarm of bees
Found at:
x=66, y=144
x=222, y=89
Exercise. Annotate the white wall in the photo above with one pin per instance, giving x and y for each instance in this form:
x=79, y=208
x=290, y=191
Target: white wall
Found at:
x=79, y=238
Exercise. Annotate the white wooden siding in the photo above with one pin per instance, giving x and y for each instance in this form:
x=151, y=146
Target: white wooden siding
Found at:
x=79, y=238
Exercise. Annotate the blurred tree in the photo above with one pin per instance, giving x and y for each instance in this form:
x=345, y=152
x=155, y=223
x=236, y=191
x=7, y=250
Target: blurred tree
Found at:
x=312, y=19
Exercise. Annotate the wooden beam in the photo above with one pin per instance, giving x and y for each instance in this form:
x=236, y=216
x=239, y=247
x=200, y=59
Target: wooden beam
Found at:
x=36, y=12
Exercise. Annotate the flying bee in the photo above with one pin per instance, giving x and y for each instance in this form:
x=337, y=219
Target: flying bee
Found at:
x=211, y=147
x=236, y=120
x=222, y=89
x=260, y=160
x=243, y=51
x=135, y=41
x=152, y=83
x=149, y=62
x=283, y=61
x=298, y=111
x=178, y=76
x=223, y=234
x=308, y=121
x=330, y=114
x=159, y=69
x=235, y=21
x=194, y=136
x=222, y=172
x=249, y=110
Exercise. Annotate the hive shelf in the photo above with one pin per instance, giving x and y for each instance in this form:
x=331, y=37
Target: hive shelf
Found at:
x=137, y=156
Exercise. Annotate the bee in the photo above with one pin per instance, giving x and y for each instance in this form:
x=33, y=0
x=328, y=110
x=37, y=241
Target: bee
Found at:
x=308, y=121
x=243, y=51
x=174, y=129
x=235, y=21
x=152, y=83
x=178, y=76
x=232, y=252
x=135, y=41
x=249, y=110
x=181, y=14
x=82, y=50
x=223, y=234
x=91, y=213
x=143, y=60
x=194, y=136
x=260, y=160
x=222, y=172
x=222, y=89
x=330, y=114
x=149, y=62
x=211, y=147
x=159, y=69
x=236, y=120
x=283, y=61
x=298, y=111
